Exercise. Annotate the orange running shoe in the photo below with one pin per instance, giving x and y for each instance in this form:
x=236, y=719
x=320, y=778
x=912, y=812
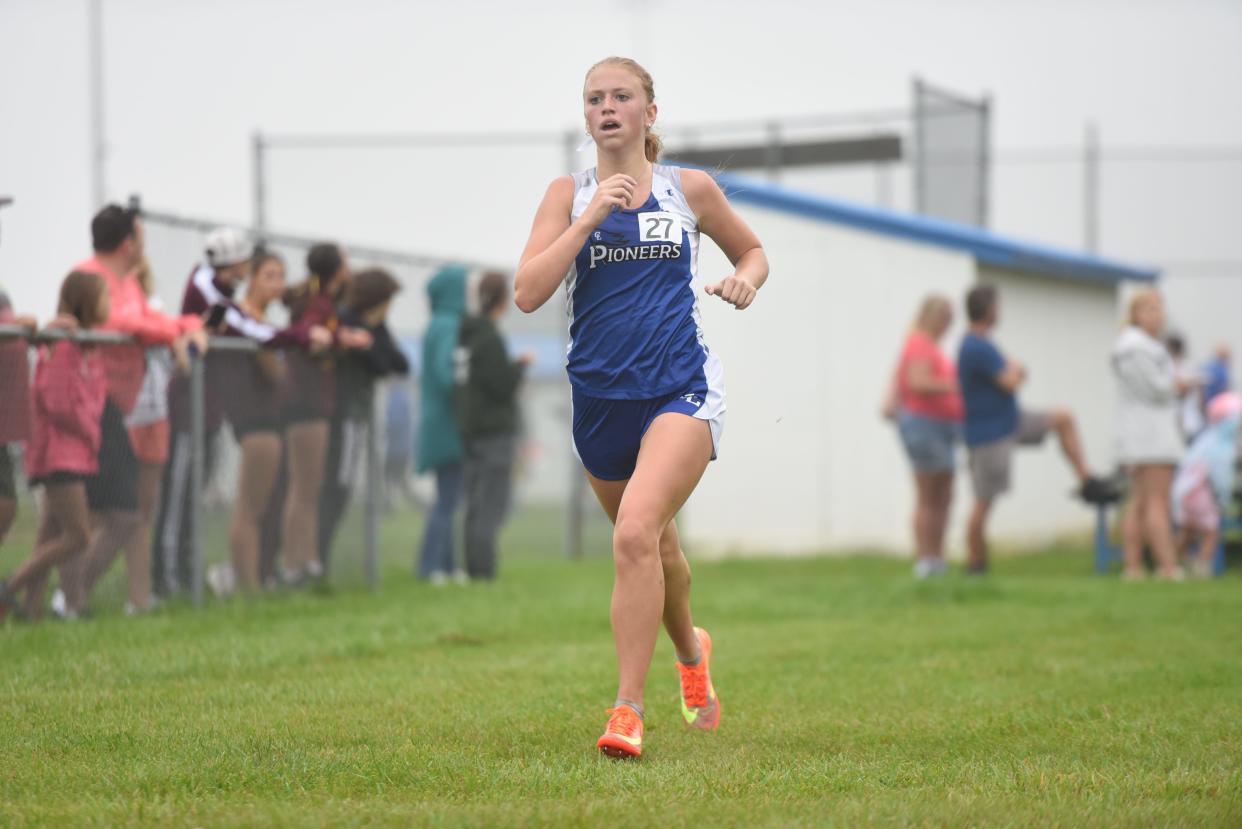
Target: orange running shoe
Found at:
x=699, y=704
x=623, y=738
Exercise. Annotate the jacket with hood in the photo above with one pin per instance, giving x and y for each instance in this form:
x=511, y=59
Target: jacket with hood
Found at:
x=69, y=392
x=439, y=443
x=488, y=394
x=1147, y=400
x=1209, y=461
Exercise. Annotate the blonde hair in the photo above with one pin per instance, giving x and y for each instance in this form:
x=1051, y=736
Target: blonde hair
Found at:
x=652, y=145
x=935, y=307
x=1139, y=298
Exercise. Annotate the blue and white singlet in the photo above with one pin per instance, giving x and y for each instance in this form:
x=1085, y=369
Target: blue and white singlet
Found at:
x=634, y=322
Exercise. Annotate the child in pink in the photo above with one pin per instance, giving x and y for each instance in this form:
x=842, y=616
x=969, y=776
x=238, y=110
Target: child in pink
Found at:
x=69, y=394
x=1204, y=482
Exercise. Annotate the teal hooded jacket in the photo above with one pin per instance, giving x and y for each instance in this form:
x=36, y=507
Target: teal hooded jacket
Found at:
x=439, y=443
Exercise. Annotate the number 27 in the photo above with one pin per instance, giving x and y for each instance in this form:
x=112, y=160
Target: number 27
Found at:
x=654, y=223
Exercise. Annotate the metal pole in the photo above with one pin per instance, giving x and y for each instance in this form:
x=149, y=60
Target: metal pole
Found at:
x=371, y=540
x=99, y=149
x=920, y=151
x=985, y=157
x=1091, y=190
x=573, y=505
x=197, y=449
x=259, y=173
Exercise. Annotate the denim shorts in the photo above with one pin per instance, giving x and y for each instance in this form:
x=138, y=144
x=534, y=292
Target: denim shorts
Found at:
x=928, y=441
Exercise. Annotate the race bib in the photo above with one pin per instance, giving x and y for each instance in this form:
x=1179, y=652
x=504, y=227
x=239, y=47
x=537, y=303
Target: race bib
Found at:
x=659, y=227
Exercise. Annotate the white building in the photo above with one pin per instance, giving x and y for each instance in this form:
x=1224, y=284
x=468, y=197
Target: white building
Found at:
x=807, y=463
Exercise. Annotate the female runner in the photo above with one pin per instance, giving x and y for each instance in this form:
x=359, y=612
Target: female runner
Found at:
x=648, y=395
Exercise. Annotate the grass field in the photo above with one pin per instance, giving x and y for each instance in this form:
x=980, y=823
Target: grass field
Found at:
x=851, y=696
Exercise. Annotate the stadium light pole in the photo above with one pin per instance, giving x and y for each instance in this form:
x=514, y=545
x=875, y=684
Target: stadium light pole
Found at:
x=99, y=149
x=259, y=173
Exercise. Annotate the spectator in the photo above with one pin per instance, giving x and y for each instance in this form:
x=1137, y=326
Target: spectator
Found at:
x=487, y=421
x=212, y=284
x=309, y=406
x=117, y=236
x=253, y=409
x=1217, y=376
x=69, y=396
x=398, y=445
x=1190, y=405
x=366, y=306
x=1203, y=486
x=439, y=444
x=927, y=406
x=995, y=424
x=1148, y=442
x=14, y=408
x=148, y=434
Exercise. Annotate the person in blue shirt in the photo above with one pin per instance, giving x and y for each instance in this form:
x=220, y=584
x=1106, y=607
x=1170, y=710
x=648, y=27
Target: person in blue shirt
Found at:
x=995, y=423
x=1216, y=374
x=647, y=393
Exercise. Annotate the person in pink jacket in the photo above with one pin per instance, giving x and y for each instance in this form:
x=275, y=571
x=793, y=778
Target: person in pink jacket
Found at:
x=69, y=396
x=117, y=238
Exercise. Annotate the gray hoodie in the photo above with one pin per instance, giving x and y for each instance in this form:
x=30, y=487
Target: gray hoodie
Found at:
x=1146, y=400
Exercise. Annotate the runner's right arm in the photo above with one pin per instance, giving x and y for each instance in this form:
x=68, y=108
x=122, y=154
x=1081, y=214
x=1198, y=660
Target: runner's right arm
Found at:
x=554, y=241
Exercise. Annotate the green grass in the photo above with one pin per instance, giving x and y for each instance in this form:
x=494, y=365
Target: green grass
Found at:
x=851, y=696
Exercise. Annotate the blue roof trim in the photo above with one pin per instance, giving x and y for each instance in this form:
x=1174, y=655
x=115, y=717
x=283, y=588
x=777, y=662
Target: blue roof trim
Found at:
x=986, y=246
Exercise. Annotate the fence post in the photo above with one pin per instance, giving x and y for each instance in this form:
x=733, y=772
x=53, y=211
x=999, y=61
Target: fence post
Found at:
x=197, y=450
x=371, y=517
x=573, y=505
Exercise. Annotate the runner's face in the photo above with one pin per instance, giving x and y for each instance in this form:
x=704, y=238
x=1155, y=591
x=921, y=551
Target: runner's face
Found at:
x=615, y=107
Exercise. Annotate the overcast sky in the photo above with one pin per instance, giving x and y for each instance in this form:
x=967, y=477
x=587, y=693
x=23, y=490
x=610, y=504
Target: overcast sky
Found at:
x=186, y=83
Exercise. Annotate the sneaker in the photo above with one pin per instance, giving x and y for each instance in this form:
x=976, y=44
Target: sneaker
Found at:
x=1175, y=574
x=623, y=736
x=1100, y=491
x=699, y=705
x=460, y=578
x=58, y=605
x=438, y=578
x=1202, y=569
x=977, y=569
x=926, y=568
x=222, y=580
x=1137, y=575
x=291, y=578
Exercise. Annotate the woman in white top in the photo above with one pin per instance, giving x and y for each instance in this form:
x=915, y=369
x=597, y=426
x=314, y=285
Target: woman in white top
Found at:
x=1148, y=442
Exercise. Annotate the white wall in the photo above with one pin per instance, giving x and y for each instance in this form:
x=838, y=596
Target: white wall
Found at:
x=806, y=462
x=1205, y=307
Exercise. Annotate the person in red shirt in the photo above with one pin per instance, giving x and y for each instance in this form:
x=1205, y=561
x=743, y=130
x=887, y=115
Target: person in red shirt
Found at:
x=61, y=455
x=117, y=237
x=927, y=406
